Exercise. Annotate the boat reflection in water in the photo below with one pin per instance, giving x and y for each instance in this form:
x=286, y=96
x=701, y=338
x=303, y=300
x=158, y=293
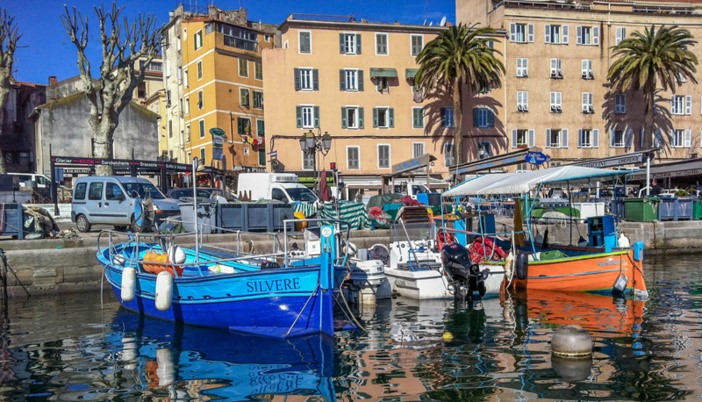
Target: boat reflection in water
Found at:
x=186, y=362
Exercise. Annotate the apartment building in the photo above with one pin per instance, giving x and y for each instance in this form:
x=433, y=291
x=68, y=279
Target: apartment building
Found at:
x=355, y=80
x=557, y=56
x=214, y=80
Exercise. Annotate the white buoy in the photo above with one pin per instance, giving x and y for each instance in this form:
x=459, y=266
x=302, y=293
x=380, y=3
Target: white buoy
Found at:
x=166, y=368
x=119, y=260
x=164, y=290
x=176, y=255
x=571, y=342
x=128, y=283
x=623, y=241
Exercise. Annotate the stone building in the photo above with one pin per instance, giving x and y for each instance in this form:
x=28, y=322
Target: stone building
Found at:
x=16, y=127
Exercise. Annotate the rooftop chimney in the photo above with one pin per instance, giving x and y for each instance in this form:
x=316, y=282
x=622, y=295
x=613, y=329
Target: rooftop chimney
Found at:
x=53, y=80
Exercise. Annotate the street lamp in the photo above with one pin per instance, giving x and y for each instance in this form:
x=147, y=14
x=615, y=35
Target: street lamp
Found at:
x=311, y=143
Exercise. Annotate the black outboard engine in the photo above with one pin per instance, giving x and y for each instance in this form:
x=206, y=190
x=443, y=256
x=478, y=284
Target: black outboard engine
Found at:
x=467, y=280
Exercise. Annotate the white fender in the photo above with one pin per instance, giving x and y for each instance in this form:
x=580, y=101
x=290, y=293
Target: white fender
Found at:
x=119, y=260
x=166, y=368
x=128, y=283
x=176, y=255
x=623, y=241
x=164, y=290
x=509, y=265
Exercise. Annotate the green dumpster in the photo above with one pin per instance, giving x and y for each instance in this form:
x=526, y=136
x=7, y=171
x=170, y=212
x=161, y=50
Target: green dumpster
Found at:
x=697, y=209
x=641, y=209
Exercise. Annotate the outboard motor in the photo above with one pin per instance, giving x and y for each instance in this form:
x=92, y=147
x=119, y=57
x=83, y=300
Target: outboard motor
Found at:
x=467, y=280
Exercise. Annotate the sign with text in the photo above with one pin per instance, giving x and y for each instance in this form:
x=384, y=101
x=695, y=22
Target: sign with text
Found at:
x=536, y=158
x=217, y=137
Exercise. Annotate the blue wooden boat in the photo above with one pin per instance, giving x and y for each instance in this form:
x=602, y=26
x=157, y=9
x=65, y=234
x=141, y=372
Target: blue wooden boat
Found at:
x=225, y=291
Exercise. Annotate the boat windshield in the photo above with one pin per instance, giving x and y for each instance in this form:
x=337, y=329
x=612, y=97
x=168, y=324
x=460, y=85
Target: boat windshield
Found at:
x=144, y=189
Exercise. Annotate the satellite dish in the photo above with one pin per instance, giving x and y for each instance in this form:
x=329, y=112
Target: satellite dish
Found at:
x=443, y=21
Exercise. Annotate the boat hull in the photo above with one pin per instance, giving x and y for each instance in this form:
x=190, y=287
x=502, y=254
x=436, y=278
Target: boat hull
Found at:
x=432, y=284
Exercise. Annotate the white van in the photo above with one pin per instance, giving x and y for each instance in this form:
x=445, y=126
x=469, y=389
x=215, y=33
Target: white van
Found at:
x=110, y=200
x=274, y=186
x=22, y=178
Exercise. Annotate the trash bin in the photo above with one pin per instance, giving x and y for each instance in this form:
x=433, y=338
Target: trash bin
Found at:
x=641, y=209
x=675, y=208
x=206, y=214
x=697, y=209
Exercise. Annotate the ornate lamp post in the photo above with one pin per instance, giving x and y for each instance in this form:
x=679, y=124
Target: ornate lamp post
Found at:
x=311, y=143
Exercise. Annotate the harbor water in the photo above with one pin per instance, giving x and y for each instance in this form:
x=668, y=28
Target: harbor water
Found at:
x=84, y=347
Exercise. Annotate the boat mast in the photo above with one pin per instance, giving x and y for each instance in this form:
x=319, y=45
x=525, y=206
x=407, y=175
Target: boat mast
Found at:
x=197, y=239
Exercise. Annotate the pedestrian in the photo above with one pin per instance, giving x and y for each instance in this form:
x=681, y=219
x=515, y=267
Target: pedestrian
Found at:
x=655, y=188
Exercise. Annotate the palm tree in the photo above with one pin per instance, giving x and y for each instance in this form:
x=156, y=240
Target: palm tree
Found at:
x=653, y=61
x=461, y=56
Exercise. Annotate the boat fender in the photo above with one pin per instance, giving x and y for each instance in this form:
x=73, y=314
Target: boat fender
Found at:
x=571, y=342
x=119, y=260
x=176, y=255
x=623, y=241
x=349, y=249
x=164, y=290
x=522, y=265
x=509, y=265
x=166, y=367
x=128, y=283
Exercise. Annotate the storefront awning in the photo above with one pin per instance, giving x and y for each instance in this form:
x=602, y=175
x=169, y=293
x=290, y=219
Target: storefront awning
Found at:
x=383, y=72
x=410, y=73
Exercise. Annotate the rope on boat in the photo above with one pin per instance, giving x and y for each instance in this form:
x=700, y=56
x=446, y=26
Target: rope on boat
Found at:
x=346, y=309
x=303, y=310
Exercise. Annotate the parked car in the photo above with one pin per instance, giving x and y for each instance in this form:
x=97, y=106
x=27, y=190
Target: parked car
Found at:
x=178, y=193
x=110, y=200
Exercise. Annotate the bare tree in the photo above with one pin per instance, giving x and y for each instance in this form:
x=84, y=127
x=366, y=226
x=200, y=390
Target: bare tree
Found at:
x=9, y=36
x=124, y=44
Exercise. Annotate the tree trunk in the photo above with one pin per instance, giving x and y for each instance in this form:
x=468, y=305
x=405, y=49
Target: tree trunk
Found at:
x=102, y=145
x=649, y=119
x=458, y=117
x=4, y=91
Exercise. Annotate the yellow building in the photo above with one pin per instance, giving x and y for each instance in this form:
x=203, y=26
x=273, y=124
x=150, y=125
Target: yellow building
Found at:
x=219, y=81
x=557, y=56
x=354, y=80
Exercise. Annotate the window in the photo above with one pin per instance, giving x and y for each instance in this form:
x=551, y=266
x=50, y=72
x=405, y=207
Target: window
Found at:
x=556, y=71
x=522, y=67
x=417, y=117
x=261, y=156
x=243, y=126
x=383, y=156
x=417, y=149
x=170, y=128
x=620, y=35
x=351, y=80
x=556, y=106
x=484, y=150
x=260, y=128
x=258, y=70
x=522, y=138
x=449, y=155
x=306, y=79
x=589, y=36
x=556, y=138
x=258, y=100
x=187, y=133
x=483, y=117
x=586, y=70
x=381, y=44
x=447, y=117
x=305, y=38
x=680, y=105
x=619, y=103
x=616, y=139
x=199, y=70
x=200, y=100
x=79, y=192
x=186, y=77
x=588, y=108
x=681, y=138
x=186, y=106
x=351, y=117
x=244, y=97
x=198, y=40
x=201, y=125
x=588, y=138
x=522, y=101
x=307, y=116
x=95, y=191
x=243, y=67
x=352, y=158
x=113, y=191
x=383, y=117
x=308, y=160
x=521, y=33
x=557, y=34
x=203, y=155
x=382, y=84
x=349, y=43
x=416, y=44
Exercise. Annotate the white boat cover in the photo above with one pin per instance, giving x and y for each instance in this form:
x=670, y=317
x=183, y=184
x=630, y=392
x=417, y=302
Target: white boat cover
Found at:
x=524, y=182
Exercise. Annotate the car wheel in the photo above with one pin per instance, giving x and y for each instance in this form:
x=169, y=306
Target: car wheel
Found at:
x=82, y=223
x=121, y=228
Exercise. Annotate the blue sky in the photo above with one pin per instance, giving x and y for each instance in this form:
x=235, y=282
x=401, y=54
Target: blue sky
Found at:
x=45, y=49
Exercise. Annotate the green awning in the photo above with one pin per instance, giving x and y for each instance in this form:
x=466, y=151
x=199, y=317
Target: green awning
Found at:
x=383, y=72
x=410, y=73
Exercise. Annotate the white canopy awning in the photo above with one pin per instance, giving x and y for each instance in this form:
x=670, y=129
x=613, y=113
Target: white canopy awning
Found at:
x=524, y=182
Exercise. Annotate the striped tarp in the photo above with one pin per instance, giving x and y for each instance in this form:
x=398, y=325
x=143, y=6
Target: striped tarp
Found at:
x=352, y=212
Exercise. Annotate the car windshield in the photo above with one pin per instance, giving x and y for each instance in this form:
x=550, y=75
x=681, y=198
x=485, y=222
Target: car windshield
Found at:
x=143, y=189
x=303, y=194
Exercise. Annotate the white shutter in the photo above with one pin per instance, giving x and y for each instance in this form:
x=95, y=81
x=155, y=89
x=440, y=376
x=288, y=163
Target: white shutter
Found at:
x=547, y=36
x=531, y=33
x=514, y=138
x=688, y=105
x=532, y=134
x=512, y=32
x=688, y=138
x=596, y=138
x=585, y=108
x=548, y=138
x=564, y=34
x=579, y=35
x=596, y=36
x=564, y=138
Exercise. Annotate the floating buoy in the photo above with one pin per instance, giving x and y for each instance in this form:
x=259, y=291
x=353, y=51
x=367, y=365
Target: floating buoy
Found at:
x=166, y=368
x=571, y=342
x=447, y=336
x=128, y=283
x=164, y=290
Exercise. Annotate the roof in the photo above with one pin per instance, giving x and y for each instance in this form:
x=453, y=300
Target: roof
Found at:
x=521, y=183
x=350, y=22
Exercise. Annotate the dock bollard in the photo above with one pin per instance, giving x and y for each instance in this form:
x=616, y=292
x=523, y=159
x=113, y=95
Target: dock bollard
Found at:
x=571, y=342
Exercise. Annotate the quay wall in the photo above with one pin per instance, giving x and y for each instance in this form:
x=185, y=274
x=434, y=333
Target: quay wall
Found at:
x=69, y=265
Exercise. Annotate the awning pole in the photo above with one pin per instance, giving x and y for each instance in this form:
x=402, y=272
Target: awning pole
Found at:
x=648, y=174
